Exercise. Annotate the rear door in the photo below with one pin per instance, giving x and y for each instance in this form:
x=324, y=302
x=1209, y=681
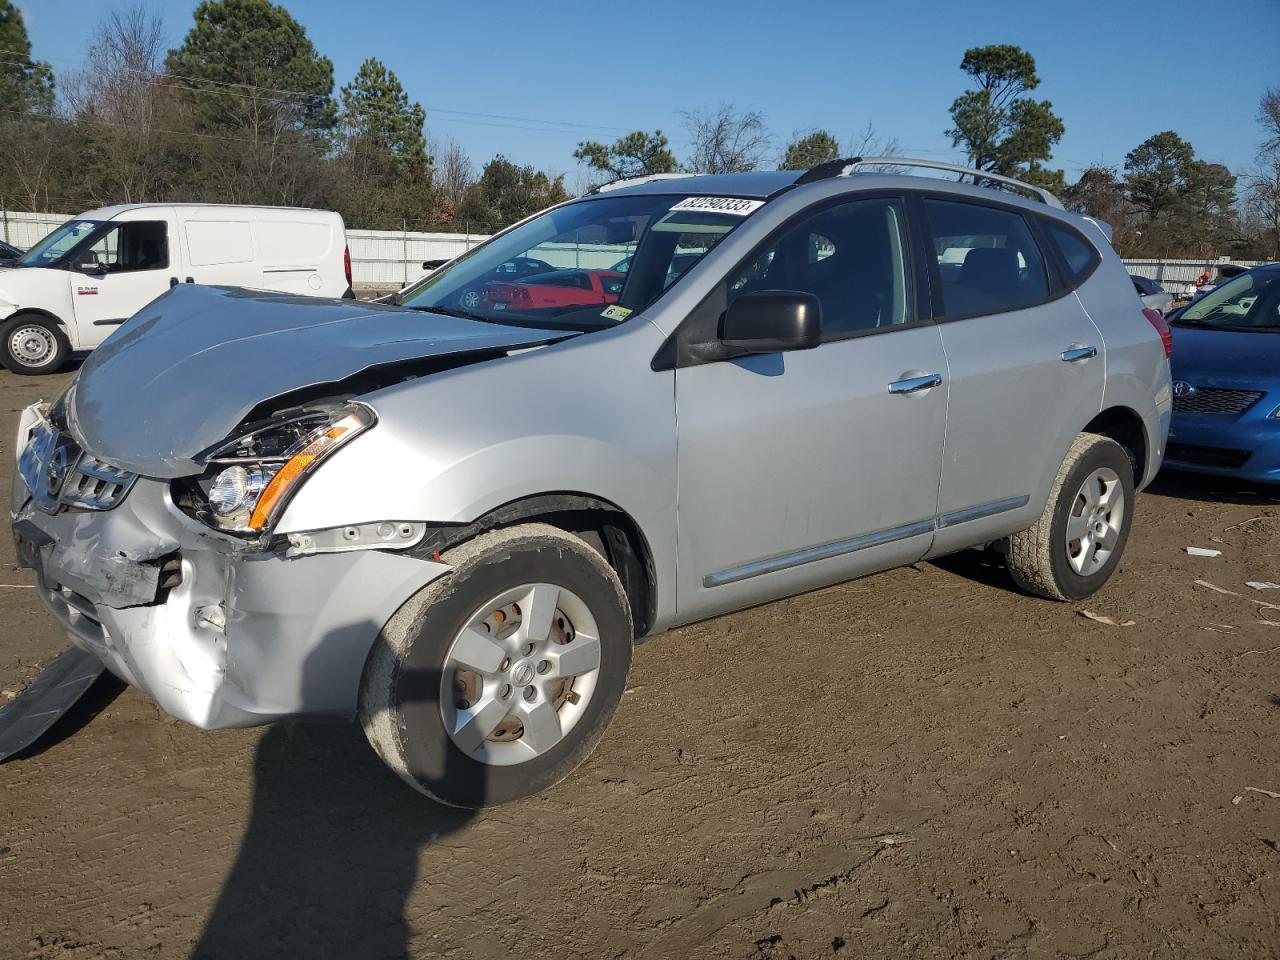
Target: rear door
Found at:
x=135, y=263
x=813, y=466
x=1026, y=364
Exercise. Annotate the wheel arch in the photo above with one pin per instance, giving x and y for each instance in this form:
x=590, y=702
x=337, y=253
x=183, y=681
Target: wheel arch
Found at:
x=1126, y=427
x=43, y=314
x=603, y=524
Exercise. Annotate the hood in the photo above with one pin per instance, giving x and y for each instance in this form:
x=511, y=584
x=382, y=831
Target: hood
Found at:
x=1225, y=358
x=186, y=370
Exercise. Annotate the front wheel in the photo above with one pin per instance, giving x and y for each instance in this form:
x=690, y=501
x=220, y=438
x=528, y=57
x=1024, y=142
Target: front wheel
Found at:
x=496, y=681
x=32, y=344
x=1075, y=546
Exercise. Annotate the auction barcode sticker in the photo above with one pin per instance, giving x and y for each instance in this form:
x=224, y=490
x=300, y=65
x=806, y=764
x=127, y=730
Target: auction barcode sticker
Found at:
x=735, y=205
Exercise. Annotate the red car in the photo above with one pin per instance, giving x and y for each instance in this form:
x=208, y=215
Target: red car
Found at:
x=559, y=288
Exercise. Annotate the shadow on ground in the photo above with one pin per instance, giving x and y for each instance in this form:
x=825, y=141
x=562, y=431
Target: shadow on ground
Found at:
x=331, y=851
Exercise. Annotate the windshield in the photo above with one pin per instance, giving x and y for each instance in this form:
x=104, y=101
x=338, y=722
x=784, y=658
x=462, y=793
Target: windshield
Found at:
x=57, y=244
x=1250, y=301
x=583, y=266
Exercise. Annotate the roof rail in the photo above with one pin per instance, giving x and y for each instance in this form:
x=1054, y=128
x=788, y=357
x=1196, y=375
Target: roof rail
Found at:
x=634, y=181
x=843, y=168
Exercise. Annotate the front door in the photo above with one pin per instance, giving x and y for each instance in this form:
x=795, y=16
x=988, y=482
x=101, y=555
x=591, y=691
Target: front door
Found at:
x=125, y=269
x=808, y=467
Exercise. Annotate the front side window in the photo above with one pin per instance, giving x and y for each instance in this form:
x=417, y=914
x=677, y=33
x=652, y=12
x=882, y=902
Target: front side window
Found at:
x=987, y=259
x=584, y=265
x=1250, y=301
x=852, y=257
x=58, y=244
x=129, y=247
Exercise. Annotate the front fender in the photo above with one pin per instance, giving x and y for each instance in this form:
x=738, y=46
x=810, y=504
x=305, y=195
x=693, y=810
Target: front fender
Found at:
x=587, y=416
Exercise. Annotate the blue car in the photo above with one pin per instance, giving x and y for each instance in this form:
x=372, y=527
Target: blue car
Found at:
x=1226, y=380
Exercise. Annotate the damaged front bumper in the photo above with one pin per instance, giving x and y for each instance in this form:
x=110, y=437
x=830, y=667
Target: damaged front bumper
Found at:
x=218, y=632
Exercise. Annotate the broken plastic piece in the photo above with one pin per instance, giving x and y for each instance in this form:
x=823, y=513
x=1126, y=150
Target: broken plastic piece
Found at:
x=1099, y=618
x=38, y=707
x=1262, y=585
x=1202, y=552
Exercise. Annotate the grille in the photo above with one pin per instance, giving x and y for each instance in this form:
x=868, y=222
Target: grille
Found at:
x=1207, y=456
x=58, y=473
x=1216, y=400
x=95, y=484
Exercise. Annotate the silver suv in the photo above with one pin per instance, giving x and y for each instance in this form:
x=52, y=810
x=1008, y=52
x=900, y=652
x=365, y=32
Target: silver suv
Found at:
x=452, y=516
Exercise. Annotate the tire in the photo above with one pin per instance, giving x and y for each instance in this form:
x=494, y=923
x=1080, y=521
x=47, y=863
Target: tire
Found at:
x=31, y=344
x=415, y=690
x=1045, y=559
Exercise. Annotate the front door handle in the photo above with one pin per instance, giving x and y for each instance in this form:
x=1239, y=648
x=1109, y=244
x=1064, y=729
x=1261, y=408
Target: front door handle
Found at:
x=915, y=384
x=1076, y=354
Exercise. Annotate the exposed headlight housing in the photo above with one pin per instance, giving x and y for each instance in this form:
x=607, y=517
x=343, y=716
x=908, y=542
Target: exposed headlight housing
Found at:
x=252, y=477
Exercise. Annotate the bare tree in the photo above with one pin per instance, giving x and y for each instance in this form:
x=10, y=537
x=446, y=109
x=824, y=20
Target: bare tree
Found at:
x=125, y=103
x=1269, y=117
x=1262, y=184
x=724, y=140
x=121, y=81
x=867, y=142
x=454, y=174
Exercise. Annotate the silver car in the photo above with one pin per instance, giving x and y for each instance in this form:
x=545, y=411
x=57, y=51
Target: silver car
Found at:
x=454, y=523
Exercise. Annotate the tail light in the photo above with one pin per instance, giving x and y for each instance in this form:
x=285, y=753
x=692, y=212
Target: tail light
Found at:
x=1162, y=327
x=346, y=263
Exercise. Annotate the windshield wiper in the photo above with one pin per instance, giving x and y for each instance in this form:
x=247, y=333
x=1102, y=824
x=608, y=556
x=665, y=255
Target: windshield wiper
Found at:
x=452, y=312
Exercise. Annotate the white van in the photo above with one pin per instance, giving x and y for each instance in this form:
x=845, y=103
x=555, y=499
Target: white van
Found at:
x=79, y=283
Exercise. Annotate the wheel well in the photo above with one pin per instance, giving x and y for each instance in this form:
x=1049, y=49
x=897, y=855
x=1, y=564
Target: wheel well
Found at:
x=1125, y=427
x=43, y=315
x=606, y=527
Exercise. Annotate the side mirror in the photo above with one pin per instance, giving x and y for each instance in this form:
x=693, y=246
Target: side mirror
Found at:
x=770, y=321
x=90, y=266
x=434, y=264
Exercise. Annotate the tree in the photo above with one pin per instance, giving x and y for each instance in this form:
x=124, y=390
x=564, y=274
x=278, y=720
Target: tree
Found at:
x=507, y=193
x=26, y=85
x=454, y=176
x=1099, y=193
x=376, y=112
x=1183, y=204
x=726, y=141
x=1262, y=196
x=635, y=155
x=248, y=65
x=126, y=110
x=810, y=149
x=1002, y=130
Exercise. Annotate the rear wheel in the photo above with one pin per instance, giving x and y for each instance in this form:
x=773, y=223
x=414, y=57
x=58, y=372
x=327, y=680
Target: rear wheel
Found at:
x=496, y=681
x=1075, y=546
x=33, y=344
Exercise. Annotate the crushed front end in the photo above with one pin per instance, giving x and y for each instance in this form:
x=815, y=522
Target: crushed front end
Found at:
x=222, y=630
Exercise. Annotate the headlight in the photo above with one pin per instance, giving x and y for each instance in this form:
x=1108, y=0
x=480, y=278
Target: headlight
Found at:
x=251, y=478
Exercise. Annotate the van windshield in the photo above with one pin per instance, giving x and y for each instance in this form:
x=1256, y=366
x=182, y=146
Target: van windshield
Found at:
x=59, y=243
x=582, y=266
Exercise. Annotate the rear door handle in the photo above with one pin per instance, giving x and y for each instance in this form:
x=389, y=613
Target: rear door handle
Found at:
x=1076, y=354
x=916, y=384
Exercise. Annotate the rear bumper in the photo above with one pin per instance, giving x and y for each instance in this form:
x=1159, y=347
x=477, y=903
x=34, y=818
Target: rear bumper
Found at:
x=1246, y=447
x=241, y=637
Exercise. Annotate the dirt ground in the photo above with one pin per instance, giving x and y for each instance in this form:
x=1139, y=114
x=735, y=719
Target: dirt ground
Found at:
x=923, y=763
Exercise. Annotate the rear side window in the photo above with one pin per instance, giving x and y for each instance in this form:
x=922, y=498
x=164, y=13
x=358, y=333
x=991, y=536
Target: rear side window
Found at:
x=1078, y=255
x=988, y=260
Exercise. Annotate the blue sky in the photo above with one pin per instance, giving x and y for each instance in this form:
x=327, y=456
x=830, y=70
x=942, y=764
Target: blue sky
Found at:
x=1116, y=72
